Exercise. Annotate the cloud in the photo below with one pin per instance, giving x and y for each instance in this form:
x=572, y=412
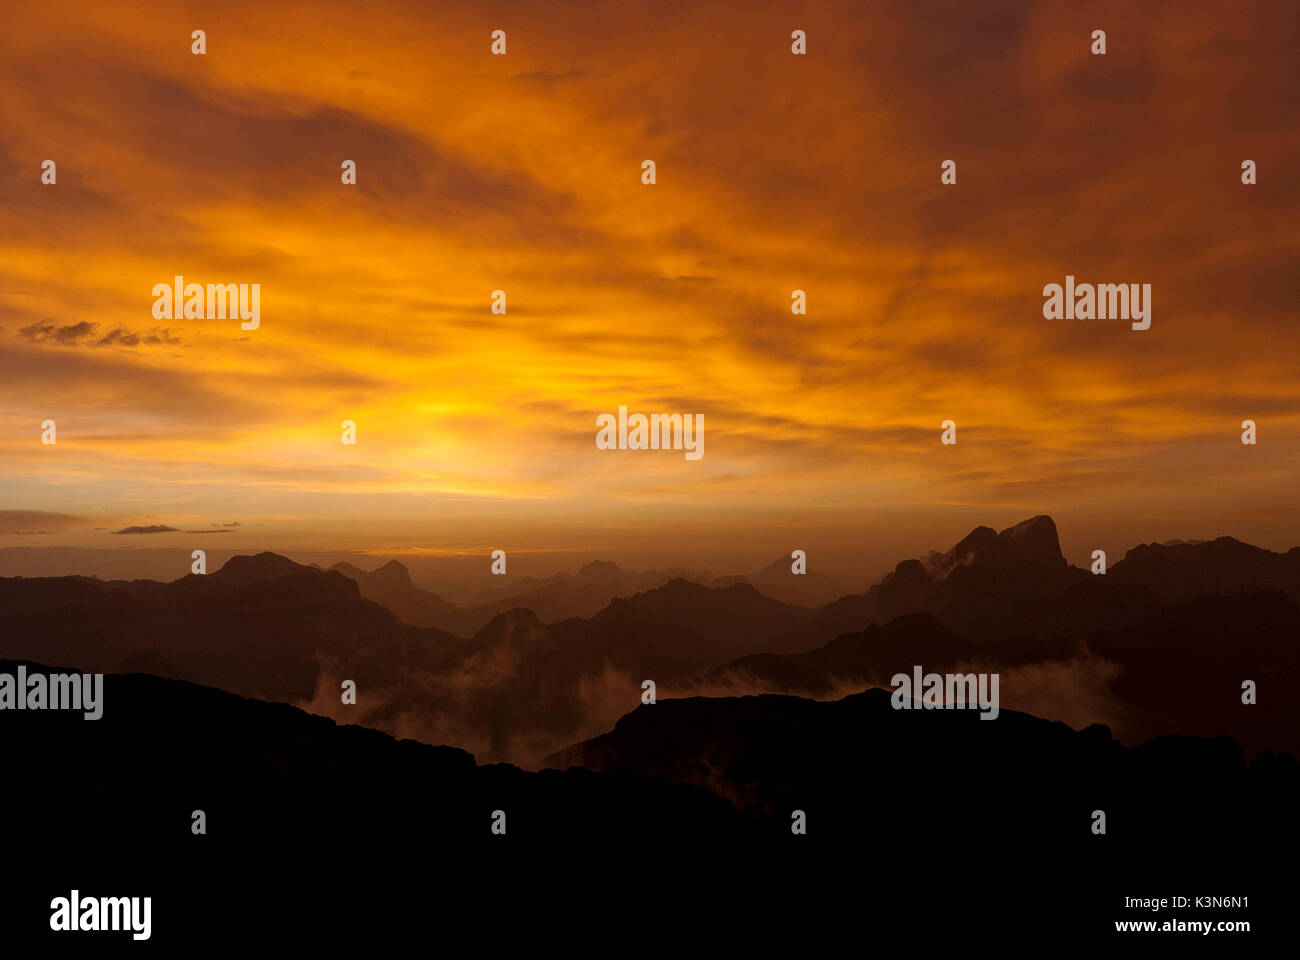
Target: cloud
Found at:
x=153, y=528
x=47, y=332
x=818, y=173
x=83, y=334
x=24, y=522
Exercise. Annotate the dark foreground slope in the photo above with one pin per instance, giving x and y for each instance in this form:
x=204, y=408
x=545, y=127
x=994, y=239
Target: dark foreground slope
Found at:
x=273, y=776
x=314, y=829
x=946, y=823
x=317, y=832
x=863, y=770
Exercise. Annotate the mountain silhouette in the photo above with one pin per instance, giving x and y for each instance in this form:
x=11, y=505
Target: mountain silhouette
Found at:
x=1017, y=583
x=1181, y=672
x=264, y=626
x=1178, y=572
x=306, y=818
x=777, y=580
x=268, y=773
x=861, y=770
x=390, y=586
x=1166, y=638
x=1191, y=780
x=1069, y=644
x=260, y=626
x=872, y=656
x=988, y=585
x=300, y=813
x=559, y=597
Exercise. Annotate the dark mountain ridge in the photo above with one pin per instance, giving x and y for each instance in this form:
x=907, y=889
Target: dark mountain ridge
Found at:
x=520, y=687
x=264, y=626
x=857, y=766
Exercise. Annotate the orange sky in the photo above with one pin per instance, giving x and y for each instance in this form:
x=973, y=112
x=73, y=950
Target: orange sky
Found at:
x=522, y=173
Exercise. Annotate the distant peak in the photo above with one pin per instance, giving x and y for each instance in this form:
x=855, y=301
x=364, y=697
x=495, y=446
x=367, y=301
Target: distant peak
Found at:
x=264, y=559
x=682, y=585
x=677, y=590
x=392, y=570
x=263, y=566
x=777, y=569
x=600, y=568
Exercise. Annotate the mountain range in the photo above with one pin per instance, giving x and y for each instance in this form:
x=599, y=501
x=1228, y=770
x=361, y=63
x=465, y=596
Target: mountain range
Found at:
x=564, y=596
x=1136, y=648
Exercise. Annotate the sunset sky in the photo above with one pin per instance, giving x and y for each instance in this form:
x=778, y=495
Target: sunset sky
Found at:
x=522, y=173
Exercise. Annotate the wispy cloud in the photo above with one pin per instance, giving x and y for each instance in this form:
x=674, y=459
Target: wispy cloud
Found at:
x=23, y=522
x=85, y=333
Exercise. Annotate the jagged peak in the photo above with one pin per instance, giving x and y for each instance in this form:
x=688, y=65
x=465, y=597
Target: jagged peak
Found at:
x=1039, y=524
